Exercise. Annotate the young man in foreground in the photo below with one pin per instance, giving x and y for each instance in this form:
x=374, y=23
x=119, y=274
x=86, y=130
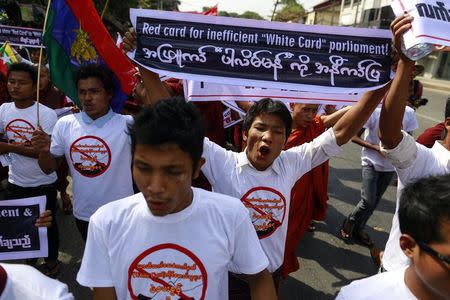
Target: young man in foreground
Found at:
x=424, y=217
x=171, y=241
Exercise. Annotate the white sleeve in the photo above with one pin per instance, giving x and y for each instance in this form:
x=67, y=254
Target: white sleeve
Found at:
x=411, y=160
x=95, y=268
x=57, y=144
x=48, y=121
x=305, y=157
x=216, y=158
x=404, y=154
x=248, y=256
x=411, y=123
x=340, y=296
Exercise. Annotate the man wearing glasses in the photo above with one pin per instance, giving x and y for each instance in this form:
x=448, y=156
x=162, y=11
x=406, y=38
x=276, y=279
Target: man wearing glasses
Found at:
x=424, y=217
x=412, y=161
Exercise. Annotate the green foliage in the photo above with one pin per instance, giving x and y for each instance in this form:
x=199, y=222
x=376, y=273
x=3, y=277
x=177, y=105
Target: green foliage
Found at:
x=291, y=11
x=246, y=15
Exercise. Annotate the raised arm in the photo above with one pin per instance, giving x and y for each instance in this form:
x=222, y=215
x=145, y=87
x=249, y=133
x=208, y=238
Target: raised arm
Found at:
x=331, y=120
x=153, y=85
x=354, y=119
x=393, y=107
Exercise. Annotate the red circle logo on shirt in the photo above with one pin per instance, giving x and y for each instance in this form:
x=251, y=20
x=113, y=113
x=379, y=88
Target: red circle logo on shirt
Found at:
x=90, y=156
x=19, y=132
x=165, y=272
x=267, y=209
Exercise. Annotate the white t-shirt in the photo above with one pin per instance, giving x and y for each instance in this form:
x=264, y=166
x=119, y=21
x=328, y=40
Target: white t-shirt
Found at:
x=99, y=157
x=186, y=252
x=25, y=282
x=371, y=157
x=266, y=193
x=17, y=125
x=412, y=161
x=387, y=285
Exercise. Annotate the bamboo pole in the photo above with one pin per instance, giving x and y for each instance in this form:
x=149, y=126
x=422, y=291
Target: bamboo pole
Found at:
x=39, y=64
x=105, y=8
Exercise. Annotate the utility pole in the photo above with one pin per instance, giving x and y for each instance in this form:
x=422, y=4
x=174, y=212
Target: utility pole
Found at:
x=274, y=9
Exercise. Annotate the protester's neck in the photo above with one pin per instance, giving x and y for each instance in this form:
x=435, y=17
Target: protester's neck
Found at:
x=24, y=103
x=418, y=287
x=446, y=142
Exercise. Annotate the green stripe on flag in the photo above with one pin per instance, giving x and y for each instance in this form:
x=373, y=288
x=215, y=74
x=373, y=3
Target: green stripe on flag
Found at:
x=62, y=72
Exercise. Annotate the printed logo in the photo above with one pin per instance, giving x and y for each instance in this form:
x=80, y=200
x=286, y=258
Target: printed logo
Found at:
x=267, y=209
x=19, y=132
x=166, y=272
x=90, y=156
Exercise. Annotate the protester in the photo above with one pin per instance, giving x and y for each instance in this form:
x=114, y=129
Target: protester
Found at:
x=424, y=220
x=18, y=120
x=309, y=195
x=412, y=161
x=377, y=173
x=18, y=282
x=170, y=224
x=95, y=144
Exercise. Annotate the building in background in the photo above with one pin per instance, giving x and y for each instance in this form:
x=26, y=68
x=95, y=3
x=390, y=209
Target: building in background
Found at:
x=325, y=13
x=379, y=14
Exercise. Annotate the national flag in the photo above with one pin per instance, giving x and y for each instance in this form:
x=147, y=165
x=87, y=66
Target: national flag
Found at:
x=211, y=12
x=7, y=57
x=75, y=35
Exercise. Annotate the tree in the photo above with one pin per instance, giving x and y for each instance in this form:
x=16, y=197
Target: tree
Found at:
x=246, y=15
x=291, y=11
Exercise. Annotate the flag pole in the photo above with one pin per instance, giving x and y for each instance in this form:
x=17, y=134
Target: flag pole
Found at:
x=105, y=8
x=39, y=63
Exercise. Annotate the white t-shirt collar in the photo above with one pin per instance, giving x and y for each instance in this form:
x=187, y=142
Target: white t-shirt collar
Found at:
x=242, y=160
x=171, y=218
x=99, y=122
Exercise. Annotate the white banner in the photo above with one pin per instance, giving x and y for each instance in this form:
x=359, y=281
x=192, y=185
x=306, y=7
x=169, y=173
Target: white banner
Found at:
x=261, y=53
x=204, y=91
x=431, y=22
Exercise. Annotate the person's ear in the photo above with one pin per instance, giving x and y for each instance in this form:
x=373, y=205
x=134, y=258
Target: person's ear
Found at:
x=198, y=168
x=408, y=244
x=447, y=124
x=244, y=136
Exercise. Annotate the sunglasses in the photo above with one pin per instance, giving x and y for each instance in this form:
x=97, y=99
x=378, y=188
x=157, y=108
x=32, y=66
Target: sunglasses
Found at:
x=434, y=253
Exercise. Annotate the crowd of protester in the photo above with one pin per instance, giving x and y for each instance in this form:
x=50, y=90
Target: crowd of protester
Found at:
x=164, y=184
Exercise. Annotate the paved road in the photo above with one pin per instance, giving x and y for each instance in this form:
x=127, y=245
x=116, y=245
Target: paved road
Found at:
x=327, y=263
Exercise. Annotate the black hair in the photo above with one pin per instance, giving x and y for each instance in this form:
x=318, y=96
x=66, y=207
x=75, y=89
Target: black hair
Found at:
x=268, y=106
x=23, y=67
x=447, y=108
x=424, y=206
x=170, y=121
x=100, y=72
